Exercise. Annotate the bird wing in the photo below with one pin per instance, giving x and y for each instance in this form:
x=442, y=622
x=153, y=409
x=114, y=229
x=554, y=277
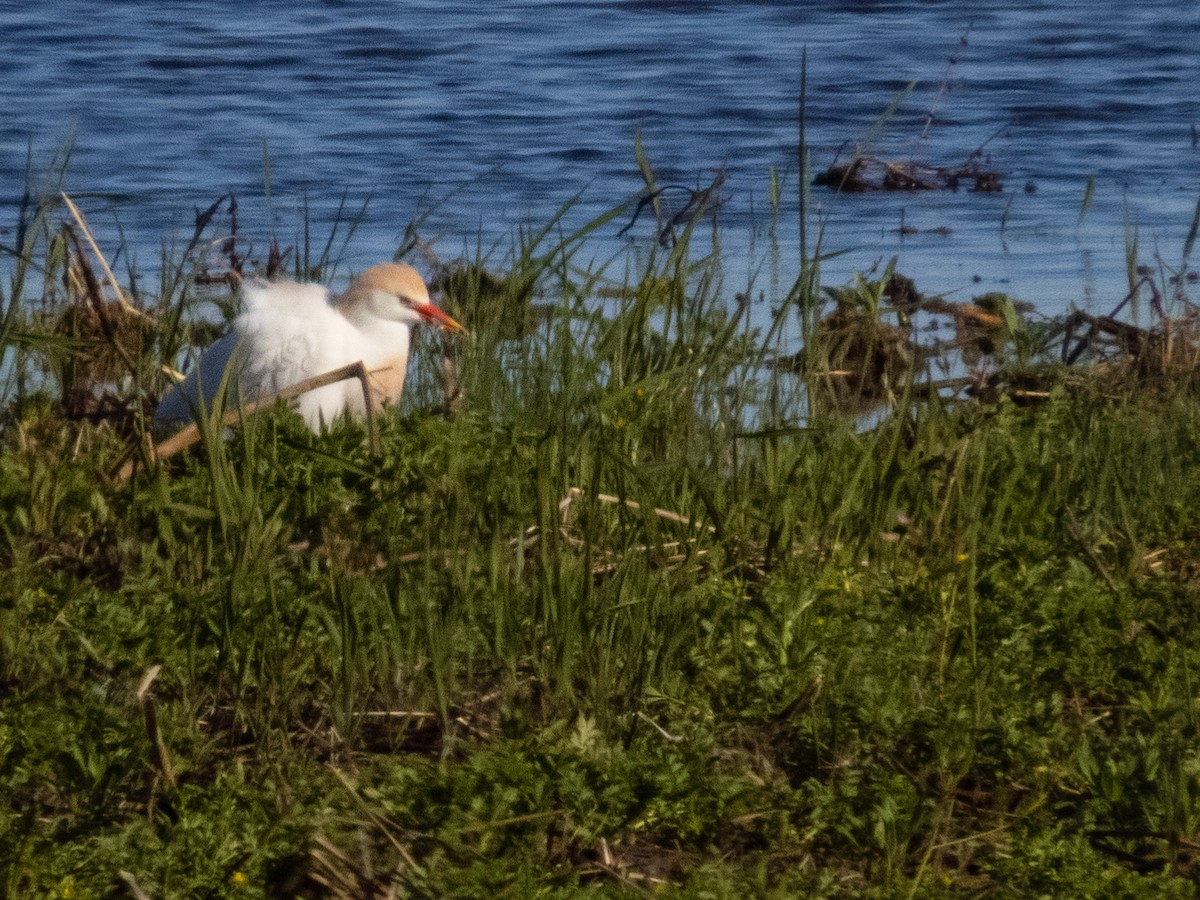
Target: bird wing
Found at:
x=182, y=402
x=287, y=332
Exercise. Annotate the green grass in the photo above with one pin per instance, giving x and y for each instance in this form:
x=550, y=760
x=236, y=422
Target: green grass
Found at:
x=952, y=654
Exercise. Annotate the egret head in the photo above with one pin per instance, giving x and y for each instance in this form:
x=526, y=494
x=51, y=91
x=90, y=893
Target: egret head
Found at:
x=397, y=292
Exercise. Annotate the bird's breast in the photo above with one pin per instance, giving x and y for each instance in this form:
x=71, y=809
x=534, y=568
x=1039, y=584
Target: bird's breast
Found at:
x=387, y=378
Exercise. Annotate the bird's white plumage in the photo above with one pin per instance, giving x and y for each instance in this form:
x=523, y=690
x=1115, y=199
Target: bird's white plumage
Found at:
x=288, y=332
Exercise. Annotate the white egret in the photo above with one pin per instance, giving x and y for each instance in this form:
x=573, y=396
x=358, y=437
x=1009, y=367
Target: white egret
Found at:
x=289, y=332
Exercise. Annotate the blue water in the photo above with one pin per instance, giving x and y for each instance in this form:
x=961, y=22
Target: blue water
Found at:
x=494, y=115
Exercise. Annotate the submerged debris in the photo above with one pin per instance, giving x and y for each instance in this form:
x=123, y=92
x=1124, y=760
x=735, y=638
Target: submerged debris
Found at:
x=862, y=360
x=1170, y=347
x=868, y=361
x=868, y=173
x=869, y=351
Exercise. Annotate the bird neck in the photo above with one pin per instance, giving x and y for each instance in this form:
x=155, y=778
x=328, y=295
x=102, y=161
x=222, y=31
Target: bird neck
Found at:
x=384, y=336
x=353, y=296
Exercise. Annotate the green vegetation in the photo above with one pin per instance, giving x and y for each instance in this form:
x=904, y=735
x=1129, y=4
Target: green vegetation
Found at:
x=650, y=614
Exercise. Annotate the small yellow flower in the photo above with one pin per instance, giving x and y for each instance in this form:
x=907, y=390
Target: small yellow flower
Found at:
x=68, y=892
x=240, y=879
x=962, y=557
x=820, y=620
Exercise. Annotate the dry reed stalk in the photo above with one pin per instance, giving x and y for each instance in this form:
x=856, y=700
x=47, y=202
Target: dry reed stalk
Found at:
x=159, y=757
x=95, y=297
x=564, y=507
x=174, y=374
x=386, y=827
x=131, y=882
x=112, y=279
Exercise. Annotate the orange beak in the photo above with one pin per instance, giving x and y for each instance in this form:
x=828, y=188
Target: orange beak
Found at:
x=434, y=316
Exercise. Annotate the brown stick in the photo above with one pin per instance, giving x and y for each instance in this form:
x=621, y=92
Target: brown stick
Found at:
x=191, y=434
x=158, y=747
